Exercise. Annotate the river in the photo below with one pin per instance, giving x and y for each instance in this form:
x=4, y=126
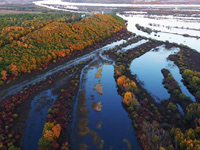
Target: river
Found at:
x=111, y=123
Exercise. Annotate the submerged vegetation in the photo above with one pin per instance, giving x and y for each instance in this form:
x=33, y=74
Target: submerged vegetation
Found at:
x=31, y=42
x=97, y=106
x=147, y=30
x=98, y=73
x=84, y=130
x=99, y=88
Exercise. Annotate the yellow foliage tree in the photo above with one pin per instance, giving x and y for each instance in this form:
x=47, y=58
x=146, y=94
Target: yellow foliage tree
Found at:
x=121, y=80
x=14, y=70
x=127, y=98
x=49, y=135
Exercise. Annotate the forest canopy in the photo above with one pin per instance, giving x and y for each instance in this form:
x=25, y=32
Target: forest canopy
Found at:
x=28, y=41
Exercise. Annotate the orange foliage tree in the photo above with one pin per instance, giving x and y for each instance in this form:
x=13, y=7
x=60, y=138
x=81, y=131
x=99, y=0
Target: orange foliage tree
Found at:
x=126, y=84
x=4, y=75
x=36, y=43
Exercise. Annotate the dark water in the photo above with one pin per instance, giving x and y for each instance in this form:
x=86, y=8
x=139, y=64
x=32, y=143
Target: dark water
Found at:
x=178, y=77
x=37, y=118
x=180, y=109
x=116, y=125
x=43, y=101
x=148, y=68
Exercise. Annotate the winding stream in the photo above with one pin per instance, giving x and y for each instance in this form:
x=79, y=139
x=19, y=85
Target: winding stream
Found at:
x=114, y=121
x=109, y=121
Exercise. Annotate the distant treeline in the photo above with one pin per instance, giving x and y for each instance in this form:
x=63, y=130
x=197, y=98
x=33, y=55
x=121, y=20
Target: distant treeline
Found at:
x=100, y=1
x=138, y=1
x=26, y=7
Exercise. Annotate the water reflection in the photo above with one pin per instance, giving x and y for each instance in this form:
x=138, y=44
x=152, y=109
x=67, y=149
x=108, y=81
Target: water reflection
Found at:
x=161, y=25
x=134, y=45
x=148, y=69
x=37, y=118
x=108, y=122
x=174, y=70
x=180, y=109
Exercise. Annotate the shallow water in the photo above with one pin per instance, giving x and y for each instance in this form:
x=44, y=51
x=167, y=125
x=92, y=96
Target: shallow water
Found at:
x=116, y=126
x=174, y=70
x=59, y=2
x=37, y=118
x=180, y=109
x=148, y=68
x=144, y=20
x=171, y=36
x=134, y=45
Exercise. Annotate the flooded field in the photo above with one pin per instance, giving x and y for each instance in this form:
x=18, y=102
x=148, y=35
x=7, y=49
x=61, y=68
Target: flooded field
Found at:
x=167, y=28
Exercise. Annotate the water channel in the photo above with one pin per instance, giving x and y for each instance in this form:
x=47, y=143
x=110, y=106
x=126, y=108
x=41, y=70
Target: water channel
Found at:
x=110, y=122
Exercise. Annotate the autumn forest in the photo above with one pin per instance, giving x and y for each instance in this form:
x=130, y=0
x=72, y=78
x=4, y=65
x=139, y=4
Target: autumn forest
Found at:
x=93, y=80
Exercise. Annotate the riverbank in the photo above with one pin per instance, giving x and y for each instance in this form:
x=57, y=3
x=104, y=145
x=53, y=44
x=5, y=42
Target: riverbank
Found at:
x=16, y=107
x=141, y=106
x=23, y=77
x=42, y=44
x=188, y=61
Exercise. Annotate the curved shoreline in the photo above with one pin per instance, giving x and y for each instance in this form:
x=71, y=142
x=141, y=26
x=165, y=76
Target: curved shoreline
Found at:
x=55, y=67
x=111, y=5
